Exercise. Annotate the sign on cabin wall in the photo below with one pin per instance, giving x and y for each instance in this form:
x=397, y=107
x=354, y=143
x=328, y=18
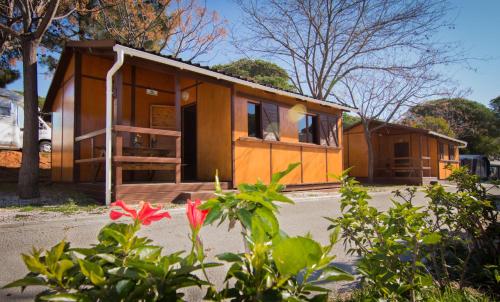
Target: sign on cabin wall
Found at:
x=162, y=117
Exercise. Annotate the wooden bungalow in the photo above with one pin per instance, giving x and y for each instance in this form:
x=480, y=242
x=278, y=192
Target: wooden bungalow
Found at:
x=134, y=125
x=402, y=154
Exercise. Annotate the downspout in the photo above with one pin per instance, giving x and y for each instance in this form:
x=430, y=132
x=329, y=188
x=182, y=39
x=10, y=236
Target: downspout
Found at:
x=109, y=120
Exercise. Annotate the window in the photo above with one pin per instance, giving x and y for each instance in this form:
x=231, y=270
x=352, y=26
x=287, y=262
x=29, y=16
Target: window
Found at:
x=308, y=129
x=254, y=128
x=402, y=154
x=451, y=152
x=263, y=120
x=441, y=151
x=5, y=108
x=270, y=122
x=328, y=130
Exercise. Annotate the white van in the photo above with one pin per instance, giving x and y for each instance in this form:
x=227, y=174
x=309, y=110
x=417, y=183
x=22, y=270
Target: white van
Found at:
x=12, y=123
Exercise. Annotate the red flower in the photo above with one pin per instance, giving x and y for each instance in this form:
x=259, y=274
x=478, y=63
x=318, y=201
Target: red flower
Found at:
x=146, y=215
x=195, y=216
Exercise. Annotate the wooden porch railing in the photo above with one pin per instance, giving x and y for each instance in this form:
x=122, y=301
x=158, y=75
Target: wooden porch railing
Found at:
x=413, y=166
x=123, y=161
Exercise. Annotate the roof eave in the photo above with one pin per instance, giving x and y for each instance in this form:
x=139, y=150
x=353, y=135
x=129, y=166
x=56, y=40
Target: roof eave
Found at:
x=199, y=70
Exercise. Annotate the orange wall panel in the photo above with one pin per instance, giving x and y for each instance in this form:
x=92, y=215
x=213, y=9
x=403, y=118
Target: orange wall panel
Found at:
x=240, y=117
x=213, y=114
x=252, y=162
x=314, y=165
x=335, y=166
x=282, y=156
x=433, y=154
x=357, y=156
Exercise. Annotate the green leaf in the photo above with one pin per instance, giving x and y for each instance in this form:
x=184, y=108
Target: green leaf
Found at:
x=92, y=271
x=268, y=220
x=218, y=188
x=123, y=287
x=117, y=236
x=229, y=257
x=214, y=214
x=294, y=254
x=61, y=267
x=209, y=204
x=55, y=254
x=33, y=264
x=148, y=253
x=258, y=233
x=245, y=218
x=26, y=281
x=432, y=238
x=275, y=196
x=279, y=175
x=108, y=257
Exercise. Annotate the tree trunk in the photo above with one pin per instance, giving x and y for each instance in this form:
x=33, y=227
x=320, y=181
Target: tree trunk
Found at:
x=369, y=145
x=28, y=174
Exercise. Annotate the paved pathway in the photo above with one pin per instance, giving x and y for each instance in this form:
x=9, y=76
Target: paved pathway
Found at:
x=303, y=217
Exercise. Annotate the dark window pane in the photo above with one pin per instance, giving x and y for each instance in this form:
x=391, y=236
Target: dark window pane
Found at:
x=302, y=127
x=312, y=125
x=270, y=122
x=441, y=151
x=253, y=120
x=451, y=152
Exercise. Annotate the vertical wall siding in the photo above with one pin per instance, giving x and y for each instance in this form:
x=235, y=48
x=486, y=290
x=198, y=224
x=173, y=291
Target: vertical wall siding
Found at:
x=257, y=159
x=63, y=127
x=214, y=132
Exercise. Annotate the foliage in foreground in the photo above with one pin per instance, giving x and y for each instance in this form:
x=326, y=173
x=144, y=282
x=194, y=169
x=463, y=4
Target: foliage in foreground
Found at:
x=275, y=266
x=418, y=253
x=120, y=267
x=125, y=267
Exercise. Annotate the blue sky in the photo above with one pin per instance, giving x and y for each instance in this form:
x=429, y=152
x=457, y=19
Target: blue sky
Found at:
x=476, y=28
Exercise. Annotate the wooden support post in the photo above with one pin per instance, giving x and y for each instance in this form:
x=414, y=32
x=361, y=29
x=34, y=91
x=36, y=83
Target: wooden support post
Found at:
x=118, y=97
x=77, y=114
x=92, y=155
x=178, y=156
x=118, y=166
x=118, y=120
x=420, y=159
x=177, y=127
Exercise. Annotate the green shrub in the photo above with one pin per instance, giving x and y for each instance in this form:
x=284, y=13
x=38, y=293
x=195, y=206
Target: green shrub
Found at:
x=274, y=267
x=392, y=245
x=467, y=221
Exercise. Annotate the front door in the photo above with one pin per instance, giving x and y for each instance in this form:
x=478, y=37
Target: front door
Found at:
x=189, y=142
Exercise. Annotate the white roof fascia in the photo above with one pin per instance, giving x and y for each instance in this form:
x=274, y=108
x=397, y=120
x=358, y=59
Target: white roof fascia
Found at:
x=464, y=143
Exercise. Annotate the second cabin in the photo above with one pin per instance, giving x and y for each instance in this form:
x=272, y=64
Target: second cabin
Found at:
x=402, y=154
x=174, y=124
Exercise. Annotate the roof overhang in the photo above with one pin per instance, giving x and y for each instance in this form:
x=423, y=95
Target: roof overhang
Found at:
x=112, y=46
x=462, y=144
x=220, y=76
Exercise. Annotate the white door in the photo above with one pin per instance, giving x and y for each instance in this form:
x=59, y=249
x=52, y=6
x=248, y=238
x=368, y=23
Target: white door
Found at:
x=7, y=124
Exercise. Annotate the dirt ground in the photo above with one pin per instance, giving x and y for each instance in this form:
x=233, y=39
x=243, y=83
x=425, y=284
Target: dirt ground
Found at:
x=12, y=160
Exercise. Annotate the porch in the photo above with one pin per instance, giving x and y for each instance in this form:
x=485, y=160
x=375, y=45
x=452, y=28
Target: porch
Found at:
x=157, y=129
x=141, y=172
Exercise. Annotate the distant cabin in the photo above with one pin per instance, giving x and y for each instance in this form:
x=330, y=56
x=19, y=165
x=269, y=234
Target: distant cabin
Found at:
x=173, y=124
x=402, y=154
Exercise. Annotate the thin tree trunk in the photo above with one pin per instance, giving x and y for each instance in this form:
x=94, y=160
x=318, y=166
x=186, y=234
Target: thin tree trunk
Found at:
x=369, y=145
x=28, y=174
